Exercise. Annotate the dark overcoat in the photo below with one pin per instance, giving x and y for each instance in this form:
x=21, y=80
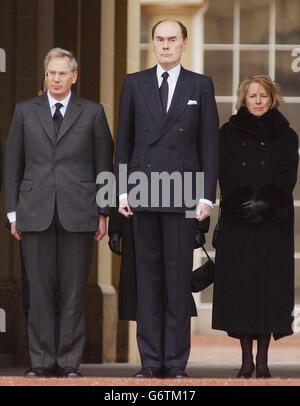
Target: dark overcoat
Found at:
x=254, y=275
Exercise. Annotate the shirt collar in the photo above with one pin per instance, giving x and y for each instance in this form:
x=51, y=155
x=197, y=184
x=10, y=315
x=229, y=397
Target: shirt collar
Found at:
x=53, y=101
x=173, y=73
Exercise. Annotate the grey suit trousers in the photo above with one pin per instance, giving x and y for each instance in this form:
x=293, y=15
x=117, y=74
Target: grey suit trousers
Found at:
x=56, y=259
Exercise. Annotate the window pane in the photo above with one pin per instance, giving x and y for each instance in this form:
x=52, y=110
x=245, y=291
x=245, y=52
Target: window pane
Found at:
x=218, y=65
x=254, y=22
x=285, y=76
x=225, y=112
x=253, y=63
x=287, y=21
x=218, y=27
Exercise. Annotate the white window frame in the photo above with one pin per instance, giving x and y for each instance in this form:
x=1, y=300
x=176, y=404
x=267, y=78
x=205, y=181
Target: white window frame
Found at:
x=200, y=46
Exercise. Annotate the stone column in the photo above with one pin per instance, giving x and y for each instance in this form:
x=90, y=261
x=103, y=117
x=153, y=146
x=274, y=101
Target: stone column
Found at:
x=109, y=294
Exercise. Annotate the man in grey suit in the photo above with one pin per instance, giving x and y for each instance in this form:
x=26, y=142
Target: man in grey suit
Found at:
x=57, y=145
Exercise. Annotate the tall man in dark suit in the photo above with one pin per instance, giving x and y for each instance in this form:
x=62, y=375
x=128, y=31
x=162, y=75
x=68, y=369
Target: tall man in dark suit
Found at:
x=57, y=145
x=168, y=122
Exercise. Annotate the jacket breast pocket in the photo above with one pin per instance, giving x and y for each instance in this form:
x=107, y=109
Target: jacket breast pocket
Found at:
x=191, y=113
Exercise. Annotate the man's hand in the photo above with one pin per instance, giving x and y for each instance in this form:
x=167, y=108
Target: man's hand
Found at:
x=100, y=233
x=15, y=232
x=203, y=210
x=125, y=209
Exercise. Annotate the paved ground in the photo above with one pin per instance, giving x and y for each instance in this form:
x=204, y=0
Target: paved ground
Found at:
x=214, y=361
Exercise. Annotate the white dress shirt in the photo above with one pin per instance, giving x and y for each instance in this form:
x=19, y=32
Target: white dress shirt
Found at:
x=64, y=102
x=52, y=102
x=172, y=80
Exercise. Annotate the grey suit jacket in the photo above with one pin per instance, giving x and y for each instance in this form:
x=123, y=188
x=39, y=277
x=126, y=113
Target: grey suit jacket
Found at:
x=42, y=169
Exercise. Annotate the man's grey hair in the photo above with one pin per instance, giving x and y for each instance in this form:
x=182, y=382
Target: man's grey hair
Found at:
x=61, y=53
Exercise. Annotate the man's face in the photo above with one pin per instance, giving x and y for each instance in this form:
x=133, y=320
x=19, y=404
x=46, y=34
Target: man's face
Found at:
x=59, y=77
x=168, y=44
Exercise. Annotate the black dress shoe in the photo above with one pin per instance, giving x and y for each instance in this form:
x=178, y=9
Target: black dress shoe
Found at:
x=246, y=372
x=151, y=373
x=263, y=372
x=40, y=373
x=176, y=373
x=69, y=372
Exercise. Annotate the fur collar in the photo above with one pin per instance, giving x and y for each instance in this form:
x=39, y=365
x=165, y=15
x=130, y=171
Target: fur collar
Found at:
x=271, y=125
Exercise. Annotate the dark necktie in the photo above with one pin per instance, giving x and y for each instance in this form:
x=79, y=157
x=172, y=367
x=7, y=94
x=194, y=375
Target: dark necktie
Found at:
x=57, y=117
x=164, y=91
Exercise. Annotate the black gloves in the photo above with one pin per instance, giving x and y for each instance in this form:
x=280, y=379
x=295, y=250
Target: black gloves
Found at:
x=253, y=210
x=114, y=243
x=199, y=239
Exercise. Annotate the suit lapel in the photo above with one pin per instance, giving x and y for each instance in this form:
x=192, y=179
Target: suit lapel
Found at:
x=72, y=113
x=149, y=88
x=44, y=115
x=182, y=93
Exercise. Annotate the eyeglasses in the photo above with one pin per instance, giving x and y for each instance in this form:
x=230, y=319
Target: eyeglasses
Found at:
x=61, y=75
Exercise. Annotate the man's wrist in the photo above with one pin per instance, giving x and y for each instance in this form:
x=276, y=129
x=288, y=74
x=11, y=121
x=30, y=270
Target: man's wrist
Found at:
x=206, y=201
x=123, y=196
x=12, y=216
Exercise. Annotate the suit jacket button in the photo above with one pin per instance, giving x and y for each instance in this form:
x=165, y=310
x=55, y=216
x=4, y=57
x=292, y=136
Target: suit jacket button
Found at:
x=180, y=130
x=263, y=143
x=243, y=164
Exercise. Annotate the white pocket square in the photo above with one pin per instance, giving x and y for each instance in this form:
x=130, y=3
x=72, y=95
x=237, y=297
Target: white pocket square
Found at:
x=192, y=102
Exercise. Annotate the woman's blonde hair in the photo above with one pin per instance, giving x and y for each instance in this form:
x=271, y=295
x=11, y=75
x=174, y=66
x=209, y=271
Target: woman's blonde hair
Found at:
x=267, y=83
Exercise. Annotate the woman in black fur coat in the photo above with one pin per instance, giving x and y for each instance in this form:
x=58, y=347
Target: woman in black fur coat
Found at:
x=254, y=275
